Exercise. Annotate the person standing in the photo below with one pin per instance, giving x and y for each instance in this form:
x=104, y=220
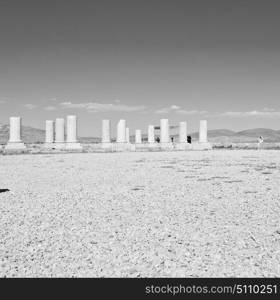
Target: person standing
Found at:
x=260, y=141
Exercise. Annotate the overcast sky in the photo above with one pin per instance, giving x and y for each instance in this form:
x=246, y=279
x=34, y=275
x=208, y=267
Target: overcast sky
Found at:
x=141, y=60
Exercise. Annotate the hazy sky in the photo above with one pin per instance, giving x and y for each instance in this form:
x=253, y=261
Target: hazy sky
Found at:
x=141, y=60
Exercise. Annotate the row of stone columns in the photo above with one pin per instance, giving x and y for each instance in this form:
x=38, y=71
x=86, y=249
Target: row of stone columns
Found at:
x=123, y=132
x=55, y=133
x=123, y=135
x=15, y=142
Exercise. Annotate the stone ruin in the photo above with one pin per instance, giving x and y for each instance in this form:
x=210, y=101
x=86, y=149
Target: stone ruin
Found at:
x=55, y=137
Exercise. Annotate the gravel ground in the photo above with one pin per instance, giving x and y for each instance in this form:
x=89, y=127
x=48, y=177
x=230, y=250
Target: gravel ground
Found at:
x=207, y=214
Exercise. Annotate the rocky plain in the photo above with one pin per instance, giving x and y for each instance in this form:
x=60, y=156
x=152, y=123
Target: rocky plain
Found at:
x=142, y=214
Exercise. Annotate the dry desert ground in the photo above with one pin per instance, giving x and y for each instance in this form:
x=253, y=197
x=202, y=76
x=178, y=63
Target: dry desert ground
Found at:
x=155, y=214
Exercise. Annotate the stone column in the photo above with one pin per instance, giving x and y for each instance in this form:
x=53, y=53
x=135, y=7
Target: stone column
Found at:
x=15, y=130
x=106, y=131
x=59, y=133
x=183, y=132
x=164, y=135
x=138, y=136
x=121, y=131
x=72, y=142
x=127, y=137
x=203, y=131
x=71, y=129
x=15, y=142
x=164, y=131
x=49, y=132
x=151, y=134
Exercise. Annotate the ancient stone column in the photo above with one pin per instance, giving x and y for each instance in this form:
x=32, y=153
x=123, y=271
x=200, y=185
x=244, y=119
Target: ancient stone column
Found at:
x=138, y=136
x=121, y=131
x=15, y=130
x=106, y=131
x=15, y=142
x=164, y=131
x=127, y=137
x=151, y=134
x=106, y=135
x=203, y=131
x=59, y=131
x=49, y=131
x=72, y=142
x=183, y=132
x=71, y=129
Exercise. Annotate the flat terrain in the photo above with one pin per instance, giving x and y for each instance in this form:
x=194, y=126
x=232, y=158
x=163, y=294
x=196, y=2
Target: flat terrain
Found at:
x=213, y=213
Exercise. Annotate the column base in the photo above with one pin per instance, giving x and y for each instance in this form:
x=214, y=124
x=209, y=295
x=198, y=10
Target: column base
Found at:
x=122, y=147
x=140, y=146
x=183, y=146
x=106, y=145
x=154, y=146
x=201, y=146
x=73, y=146
x=166, y=146
x=59, y=146
x=15, y=146
x=49, y=145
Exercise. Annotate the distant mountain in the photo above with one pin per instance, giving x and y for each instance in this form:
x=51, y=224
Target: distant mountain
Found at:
x=215, y=133
x=244, y=136
x=267, y=134
x=225, y=136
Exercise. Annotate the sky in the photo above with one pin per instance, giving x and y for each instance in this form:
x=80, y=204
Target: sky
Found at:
x=184, y=60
